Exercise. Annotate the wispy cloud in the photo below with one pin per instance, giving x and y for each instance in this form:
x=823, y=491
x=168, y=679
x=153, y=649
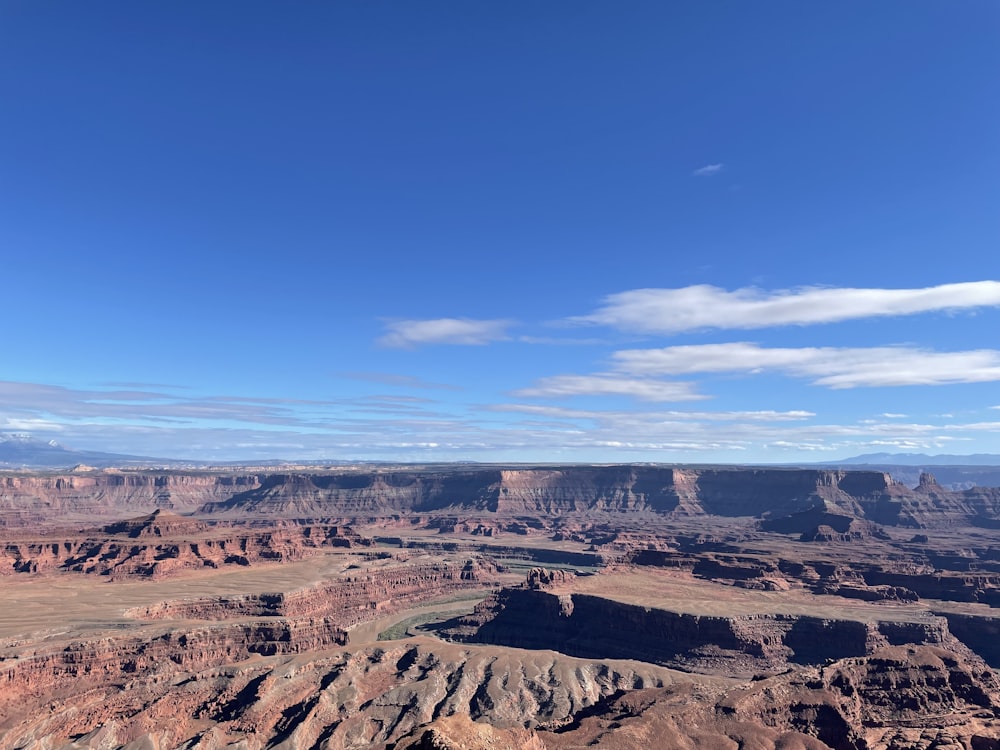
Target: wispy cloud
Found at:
x=699, y=307
x=902, y=445
x=555, y=341
x=737, y=431
x=807, y=446
x=602, y=384
x=834, y=367
x=709, y=170
x=399, y=428
x=400, y=381
x=40, y=400
x=408, y=334
x=42, y=408
x=117, y=384
x=663, y=415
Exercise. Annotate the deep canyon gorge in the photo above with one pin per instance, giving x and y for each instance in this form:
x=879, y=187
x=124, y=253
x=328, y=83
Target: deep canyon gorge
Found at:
x=497, y=607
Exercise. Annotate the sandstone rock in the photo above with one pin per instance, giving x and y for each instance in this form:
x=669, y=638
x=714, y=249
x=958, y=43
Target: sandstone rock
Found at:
x=539, y=578
x=164, y=544
x=867, y=667
x=587, y=626
x=459, y=732
x=850, y=704
x=322, y=497
x=345, y=699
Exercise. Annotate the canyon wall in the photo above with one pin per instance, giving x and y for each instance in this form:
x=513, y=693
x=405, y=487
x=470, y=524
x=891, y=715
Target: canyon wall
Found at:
x=103, y=663
x=590, y=626
x=352, y=598
x=30, y=499
x=306, y=620
x=164, y=544
x=328, y=496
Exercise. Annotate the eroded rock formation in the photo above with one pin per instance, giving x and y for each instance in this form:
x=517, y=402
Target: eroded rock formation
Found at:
x=743, y=645
x=775, y=493
x=162, y=545
x=340, y=699
x=802, y=607
x=27, y=499
x=296, y=622
x=898, y=698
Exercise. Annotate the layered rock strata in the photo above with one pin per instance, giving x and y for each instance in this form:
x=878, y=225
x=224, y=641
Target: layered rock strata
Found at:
x=351, y=599
x=680, y=492
x=889, y=580
x=344, y=699
x=283, y=623
x=897, y=698
x=585, y=625
x=163, y=545
x=31, y=499
x=420, y=695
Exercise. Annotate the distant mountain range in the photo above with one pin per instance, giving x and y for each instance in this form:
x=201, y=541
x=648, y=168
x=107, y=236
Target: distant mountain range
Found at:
x=922, y=459
x=21, y=451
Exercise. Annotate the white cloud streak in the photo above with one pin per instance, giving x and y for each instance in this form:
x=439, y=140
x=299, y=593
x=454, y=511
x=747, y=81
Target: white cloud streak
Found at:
x=709, y=170
x=692, y=308
x=398, y=381
x=834, y=367
x=664, y=416
x=408, y=334
x=551, y=341
x=24, y=404
x=560, y=386
x=120, y=421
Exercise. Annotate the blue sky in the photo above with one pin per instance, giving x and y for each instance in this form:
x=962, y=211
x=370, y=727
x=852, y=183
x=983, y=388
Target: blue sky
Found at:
x=562, y=231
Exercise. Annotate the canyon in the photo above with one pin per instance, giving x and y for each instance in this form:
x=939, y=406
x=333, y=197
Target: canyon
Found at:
x=497, y=606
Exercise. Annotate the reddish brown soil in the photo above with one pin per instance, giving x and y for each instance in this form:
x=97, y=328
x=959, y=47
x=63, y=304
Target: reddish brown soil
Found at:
x=805, y=609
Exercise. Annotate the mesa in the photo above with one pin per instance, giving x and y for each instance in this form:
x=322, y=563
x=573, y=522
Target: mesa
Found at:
x=497, y=606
